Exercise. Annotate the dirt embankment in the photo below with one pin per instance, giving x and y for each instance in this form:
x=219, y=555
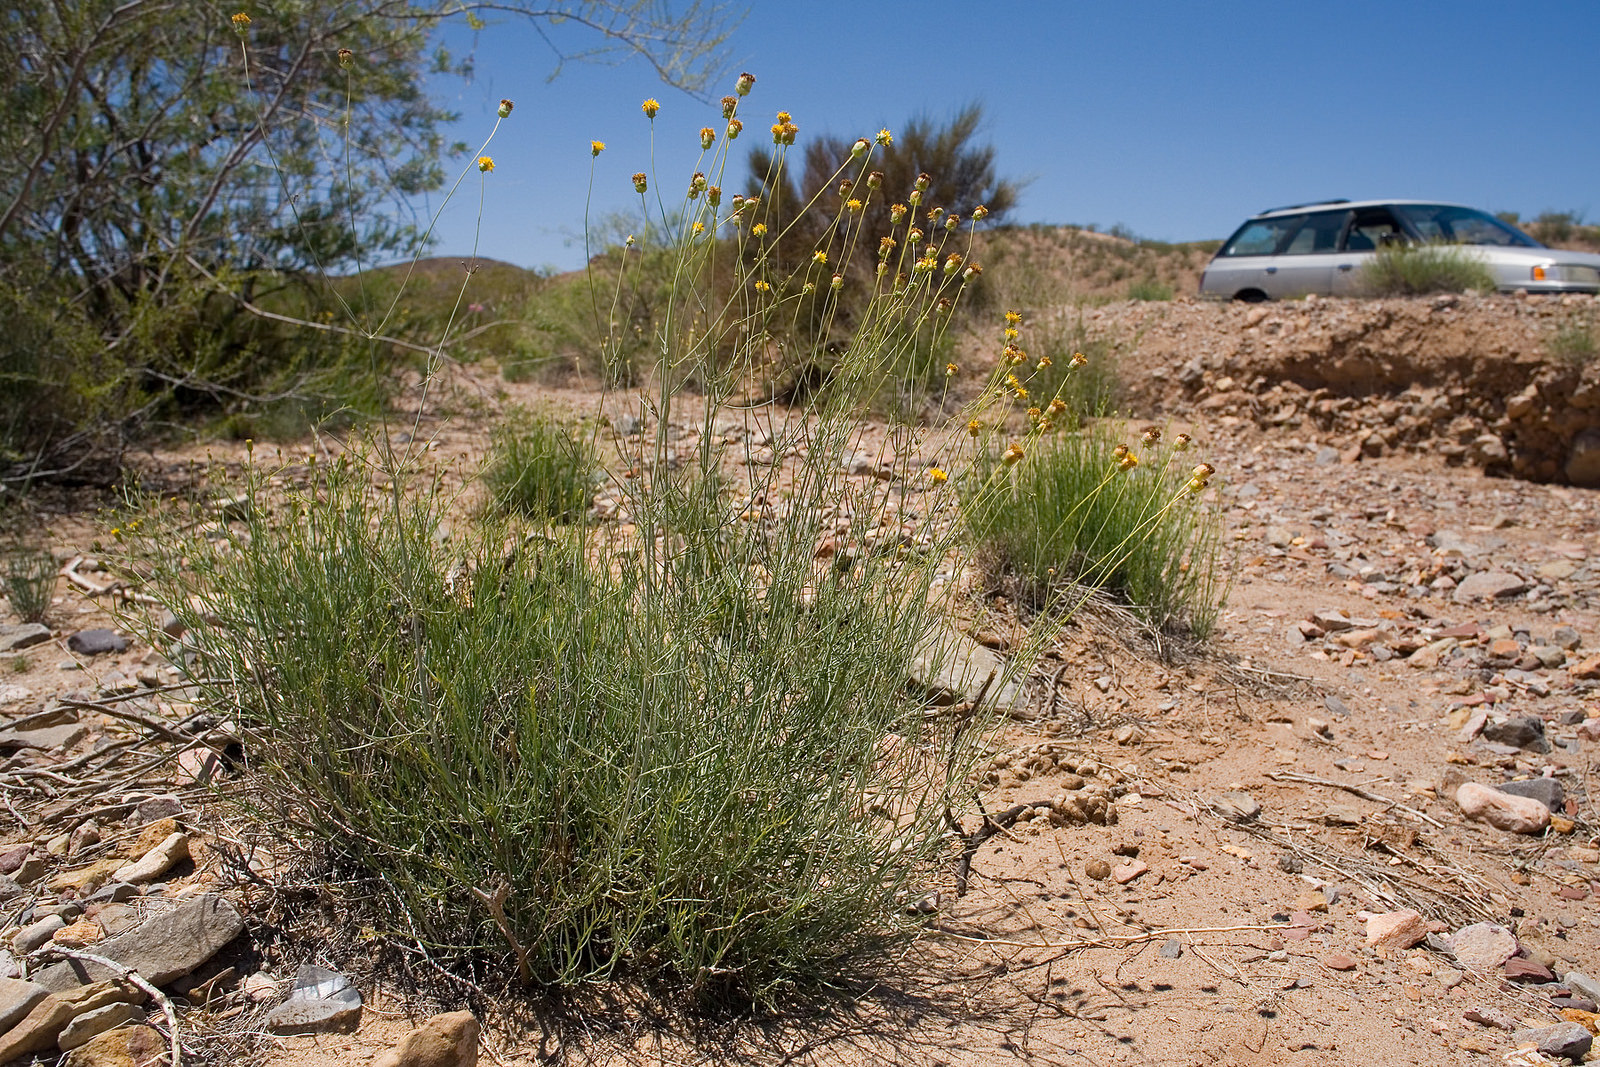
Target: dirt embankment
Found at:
x=1506, y=383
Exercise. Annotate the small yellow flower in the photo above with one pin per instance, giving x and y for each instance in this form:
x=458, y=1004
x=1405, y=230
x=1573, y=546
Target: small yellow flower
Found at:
x=1013, y=454
x=1151, y=436
x=1011, y=333
x=1014, y=356
x=1058, y=406
x=1013, y=318
x=595, y=148
x=1035, y=414
x=885, y=246
x=952, y=262
x=241, y=23
x=1078, y=359
x=951, y=221
x=713, y=195
x=950, y=370
x=783, y=117
x=1119, y=451
x=735, y=127
x=980, y=213
x=1044, y=361
x=640, y=182
x=937, y=476
x=972, y=271
x=699, y=228
x=708, y=137
x=762, y=287
x=485, y=164
x=820, y=257
x=853, y=205
x=935, y=214
x=896, y=213
x=651, y=106
x=1129, y=462
x=884, y=137
x=759, y=229
x=973, y=427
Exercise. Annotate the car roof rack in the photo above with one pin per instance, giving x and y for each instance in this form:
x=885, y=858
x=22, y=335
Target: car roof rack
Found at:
x=1311, y=203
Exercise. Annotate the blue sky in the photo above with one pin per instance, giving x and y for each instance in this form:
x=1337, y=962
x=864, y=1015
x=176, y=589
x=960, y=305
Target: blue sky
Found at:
x=1176, y=118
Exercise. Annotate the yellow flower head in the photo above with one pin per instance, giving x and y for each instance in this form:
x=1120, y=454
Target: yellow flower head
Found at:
x=762, y=287
x=745, y=83
x=914, y=235
x=596, y=147
x=241, y=23
x=735, y=127
x=973, y=427
x=730, y=104
x=1014, y=356
x=485, y=164
x=972, y=271
x=980, y=213
x=1129, y=462
x=651, y=106
x=896, y=213
x=708, y=137
x=699, y=228
x=1013, y=454
x=759, y=229
x=1078, y=359
x=783, y=117
x=951, y=221
x=950, y=370
x=1044, y=361
x=884, y=137
x=1058, y=406
x=1011, y=333
x=1120, y=451
x=935, y=214
x=640, y=182
x=952, y=262
x=1013, y=318
x=819, y=257
x=714, y=195
x=937, y=476
x=1035, y=414
x=885, y=246
x=853, y=205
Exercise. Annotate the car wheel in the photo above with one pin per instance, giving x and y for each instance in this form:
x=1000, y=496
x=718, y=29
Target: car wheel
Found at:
x=1250, y=296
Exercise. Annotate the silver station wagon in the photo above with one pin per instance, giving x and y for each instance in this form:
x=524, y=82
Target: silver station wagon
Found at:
x=1320, y=248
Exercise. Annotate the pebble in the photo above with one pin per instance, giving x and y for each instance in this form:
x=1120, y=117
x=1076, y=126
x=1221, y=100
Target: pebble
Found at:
x=1488, y=585
x=1582, y=984
x=97, y=642
x=1123, y=873
x=1483, y=946
x=36, y=934
x=1236, y=806
x=1521, y=815
x=1547, y=791
x=1568, y=1041
x=1523, y=731
x=1099, y=870
x=1395, y=931
x=321, y=1001
x=25, y=635
x=1339, y=961
x=1171, y=948
x=173, y=849
x=449, y=1040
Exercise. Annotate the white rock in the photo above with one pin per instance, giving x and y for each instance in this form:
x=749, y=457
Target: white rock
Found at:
x=1396, y=931
x=1503, y=811
x=156, y=862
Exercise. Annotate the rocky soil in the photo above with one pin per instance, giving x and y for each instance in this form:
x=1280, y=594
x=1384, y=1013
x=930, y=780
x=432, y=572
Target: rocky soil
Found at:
x=1359, y=827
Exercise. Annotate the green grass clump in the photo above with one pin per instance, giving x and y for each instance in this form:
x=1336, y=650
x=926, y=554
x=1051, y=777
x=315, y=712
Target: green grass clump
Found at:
x=538, y=468
x=30, y=582
x=1150, y=289
x=1073, y=514
x=1406, y=270
x=1573, y=342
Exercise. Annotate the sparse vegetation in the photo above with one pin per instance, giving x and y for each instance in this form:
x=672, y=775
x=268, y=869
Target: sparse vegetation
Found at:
x=1403, y=270
x=538, y=467
x=1574, y=342
x=30, y=583
x=1150, y=289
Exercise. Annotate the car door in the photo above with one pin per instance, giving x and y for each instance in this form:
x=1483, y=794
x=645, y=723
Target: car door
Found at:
x=1370, y=229
x=1248, y=262
x=1306, y=263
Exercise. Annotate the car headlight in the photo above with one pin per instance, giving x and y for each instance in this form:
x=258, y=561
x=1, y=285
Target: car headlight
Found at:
x=1567, y=272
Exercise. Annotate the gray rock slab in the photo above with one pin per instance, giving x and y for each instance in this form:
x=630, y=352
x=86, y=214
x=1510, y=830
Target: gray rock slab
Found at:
x=1483, y=946
x=1488, y=585
x=1524, y=731
x=37, y=933
x=9, y=890
x=1582, y=984
x=47, y=739
x=26, y=635
x=953, y=668
x=321, y=1002
x=163, y=947
x=17, y=999
x=97, y=642
x=1548, y=791
x=1568, y=1041
x=91, y=1024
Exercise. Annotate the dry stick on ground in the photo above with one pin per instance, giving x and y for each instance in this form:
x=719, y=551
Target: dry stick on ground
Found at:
x=1355, y=790
x=175, y=1048
x=496, y=903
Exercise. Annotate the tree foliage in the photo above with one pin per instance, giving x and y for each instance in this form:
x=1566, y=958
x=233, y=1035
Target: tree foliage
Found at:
x=154, y=161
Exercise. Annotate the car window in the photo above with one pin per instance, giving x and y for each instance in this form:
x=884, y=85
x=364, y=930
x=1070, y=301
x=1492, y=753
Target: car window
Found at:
x=1261, y=237
x=1319, y=234
x=1372, y=228
x=1462, y=225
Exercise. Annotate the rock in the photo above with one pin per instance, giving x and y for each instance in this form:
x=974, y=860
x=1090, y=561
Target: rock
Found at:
x=26, y=635
x=165, y=946
x=47, y=739
x=36, y=934
x=17, y=999
x=1566, y=637
x=1236, y=806
x=1586, y=669
x=1395, y=931
x=130, y=1046
x=91, y=1024
x=97, y=642
x=1568, y=1041
x=1339, y=961
x=449, y=1040
x=1488, y=585
x=953, y=668
x=1524, y=731
x=78, y=935
x=260, y=988
x=9, y=890
x=1099, y=870
x=1503, y=811
x=1123, y=873
x=38, y=1030
x=1525, y=969
x=158, y=861
x=1331, y=619
x=1581, y=984
x=1483, y=946
x=1583, y=460
x=1547, y=791
x=1488, y=451
x=1172, y=948
x=321, y=1001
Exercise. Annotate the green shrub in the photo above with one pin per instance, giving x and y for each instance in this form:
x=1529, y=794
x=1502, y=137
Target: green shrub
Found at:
x=1072, y=514
x=537, y=468
x=30, y=583
x=1573, y=342
x=1407, y=270
x=1150, y=289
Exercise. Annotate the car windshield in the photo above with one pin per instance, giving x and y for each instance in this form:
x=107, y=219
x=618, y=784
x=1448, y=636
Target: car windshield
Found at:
x=1462, y=225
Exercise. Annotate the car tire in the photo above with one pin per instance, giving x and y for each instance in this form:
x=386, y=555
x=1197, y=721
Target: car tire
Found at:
x=1250, y=296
